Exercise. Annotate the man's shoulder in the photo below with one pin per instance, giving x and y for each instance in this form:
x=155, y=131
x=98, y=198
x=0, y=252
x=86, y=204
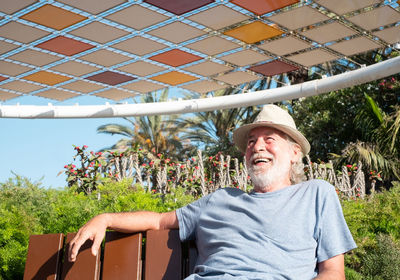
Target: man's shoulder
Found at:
x=318, y=185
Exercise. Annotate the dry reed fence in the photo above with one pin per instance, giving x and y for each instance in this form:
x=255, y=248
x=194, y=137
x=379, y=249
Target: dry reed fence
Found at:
x=202, y=175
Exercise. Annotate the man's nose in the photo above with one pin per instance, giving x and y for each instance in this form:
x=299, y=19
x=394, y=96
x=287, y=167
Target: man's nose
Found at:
x=259, y=145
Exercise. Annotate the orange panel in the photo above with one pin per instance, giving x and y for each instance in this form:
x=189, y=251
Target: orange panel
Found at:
x=254, y=32
x=174, y=78
x=53, y=17
x=175, y=57
x=260, y=7
x=47, y=78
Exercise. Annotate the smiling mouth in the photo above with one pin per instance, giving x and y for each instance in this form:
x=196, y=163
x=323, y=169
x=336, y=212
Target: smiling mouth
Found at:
x=261, y=160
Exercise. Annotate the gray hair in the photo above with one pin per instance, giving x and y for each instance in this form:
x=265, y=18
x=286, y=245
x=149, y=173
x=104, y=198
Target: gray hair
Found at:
x=297, y=174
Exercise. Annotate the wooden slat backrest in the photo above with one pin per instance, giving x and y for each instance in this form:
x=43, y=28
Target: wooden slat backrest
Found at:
x=122, y=256
x=43, y=258
x=163, y=255
x=86, y=265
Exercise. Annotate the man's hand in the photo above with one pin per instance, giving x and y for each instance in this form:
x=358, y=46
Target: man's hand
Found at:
x=123, y=222
x=332, y=268
x=93, y=230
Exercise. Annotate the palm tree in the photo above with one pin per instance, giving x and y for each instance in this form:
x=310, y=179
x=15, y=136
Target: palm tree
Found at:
x=379, y=147
x=155, y=134
x=213, y=129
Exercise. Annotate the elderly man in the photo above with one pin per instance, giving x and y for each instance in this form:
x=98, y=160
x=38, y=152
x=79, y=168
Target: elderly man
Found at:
x=283, y=229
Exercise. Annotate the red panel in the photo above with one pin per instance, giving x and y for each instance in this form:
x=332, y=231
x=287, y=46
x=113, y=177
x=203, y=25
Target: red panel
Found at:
x=110, y=78
x=3, y=78
x=260, y=7
x=65, y=46
x=273, y=68
x=179, y=7
x=175, y=58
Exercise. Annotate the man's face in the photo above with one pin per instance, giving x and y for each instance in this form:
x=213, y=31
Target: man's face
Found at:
x=269, y=156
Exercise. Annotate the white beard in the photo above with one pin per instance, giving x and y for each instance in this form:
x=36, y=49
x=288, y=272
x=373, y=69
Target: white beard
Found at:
x=264, y=179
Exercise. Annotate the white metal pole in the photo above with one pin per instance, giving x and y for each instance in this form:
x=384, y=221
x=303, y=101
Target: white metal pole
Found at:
x=310, y=88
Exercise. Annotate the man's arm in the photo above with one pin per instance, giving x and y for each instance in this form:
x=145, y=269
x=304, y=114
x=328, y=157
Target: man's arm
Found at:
x=332, y=268
x=124, y=222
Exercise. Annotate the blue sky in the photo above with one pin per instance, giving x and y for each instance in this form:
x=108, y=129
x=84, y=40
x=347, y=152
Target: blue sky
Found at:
x=39, y=148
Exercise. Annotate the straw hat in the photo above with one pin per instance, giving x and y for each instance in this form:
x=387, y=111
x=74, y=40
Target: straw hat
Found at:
x=275, y=117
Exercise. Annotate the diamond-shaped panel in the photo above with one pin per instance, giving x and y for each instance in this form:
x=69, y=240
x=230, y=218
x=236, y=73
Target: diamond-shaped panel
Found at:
x=12, y=69
x=2, y=79
x=237, y=78
x=82, y=86
x=345, y=6
x=313, y=57
x=207, y=68
x=261, y=7
x=204, y=86
x=47, y=78
x=254, y=32
x=105, y=57
x=175, y=57
x=14, y=6
x=174, y=78
x=273, y=68
x=376, y=18
x=110, y=78
x=141, y=68
x=245, y=57
x=137, y=17
x=115, y=94
x=139, y=45
x=99, y=32
x=213, y=45
x=143, y=86
x=6, y=47
x=93, y=6
x=285, y=45
x=354, y=46
x=299, y=17
x=53, y=17
x=21, y=86
x=65, y=45
x=74, y=68
x=390, y=35
x=177, y=32
x=56, y=94
x=34, y=57
x=328, y=32
x=218, y=17
x=179, y=7
x=5, y=95
x=21, y=32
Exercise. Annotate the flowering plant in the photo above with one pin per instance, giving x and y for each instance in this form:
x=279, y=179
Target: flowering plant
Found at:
x=88, y=175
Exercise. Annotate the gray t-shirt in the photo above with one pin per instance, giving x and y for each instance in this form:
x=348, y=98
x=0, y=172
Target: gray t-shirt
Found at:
x=275, y=235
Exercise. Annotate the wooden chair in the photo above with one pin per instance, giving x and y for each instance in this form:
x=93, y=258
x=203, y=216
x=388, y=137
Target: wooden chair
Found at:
x=123, y=256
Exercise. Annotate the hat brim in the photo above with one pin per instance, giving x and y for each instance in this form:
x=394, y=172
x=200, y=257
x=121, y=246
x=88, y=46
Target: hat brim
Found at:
x=240, y=135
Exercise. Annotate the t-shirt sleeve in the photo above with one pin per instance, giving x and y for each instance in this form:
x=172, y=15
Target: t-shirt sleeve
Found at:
x=188, y=217
x=334, y=237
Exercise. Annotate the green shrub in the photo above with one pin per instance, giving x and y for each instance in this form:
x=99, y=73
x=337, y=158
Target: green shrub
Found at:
x=382, y=261
x=352, y=274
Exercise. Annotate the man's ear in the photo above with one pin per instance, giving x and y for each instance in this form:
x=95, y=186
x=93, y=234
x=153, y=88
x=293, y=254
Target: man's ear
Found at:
x=296, y=153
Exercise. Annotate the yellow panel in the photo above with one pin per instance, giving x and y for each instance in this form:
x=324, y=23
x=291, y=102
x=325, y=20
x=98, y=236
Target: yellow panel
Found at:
x=174, y=78
x=254, y=32
x=53, y=17
x=47, y=78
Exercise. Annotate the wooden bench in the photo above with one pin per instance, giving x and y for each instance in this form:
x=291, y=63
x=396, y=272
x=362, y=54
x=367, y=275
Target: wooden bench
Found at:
x=152, y=255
